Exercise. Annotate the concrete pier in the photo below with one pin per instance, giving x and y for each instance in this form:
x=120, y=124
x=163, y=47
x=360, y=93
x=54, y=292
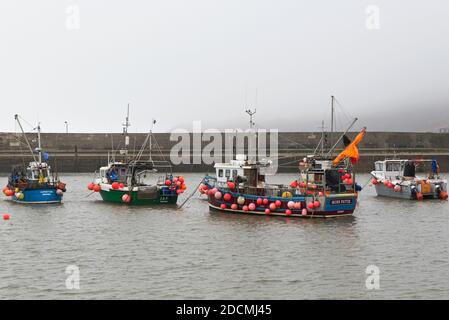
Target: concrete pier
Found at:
x=86, y=152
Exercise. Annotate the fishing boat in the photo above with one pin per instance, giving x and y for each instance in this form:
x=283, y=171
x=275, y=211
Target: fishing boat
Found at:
x=35, y=183
x=409, y=179
x=325, y=186
x=136, y=181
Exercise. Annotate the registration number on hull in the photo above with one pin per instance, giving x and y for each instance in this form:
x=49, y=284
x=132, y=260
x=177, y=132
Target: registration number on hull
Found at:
x=340, y=201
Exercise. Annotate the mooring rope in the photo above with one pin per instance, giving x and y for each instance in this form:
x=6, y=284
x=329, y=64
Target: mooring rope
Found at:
x=191, y=195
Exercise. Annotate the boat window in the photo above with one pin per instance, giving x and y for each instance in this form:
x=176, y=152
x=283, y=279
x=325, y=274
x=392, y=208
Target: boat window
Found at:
x=393, y=166
x=235, y=173
x=227, y=173
x=220, y=173
x=379, y=167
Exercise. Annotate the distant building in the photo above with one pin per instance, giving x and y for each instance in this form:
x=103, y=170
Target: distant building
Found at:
x=443, y=130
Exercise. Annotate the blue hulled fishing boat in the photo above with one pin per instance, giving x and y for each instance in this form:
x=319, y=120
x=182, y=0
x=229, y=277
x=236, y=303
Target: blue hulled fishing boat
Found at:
x=35, y=183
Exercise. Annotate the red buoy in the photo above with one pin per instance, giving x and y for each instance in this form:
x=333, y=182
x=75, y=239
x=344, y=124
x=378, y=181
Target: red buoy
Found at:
x=223, y=206
x=259, y=201
x=245, y=208
x=97, y=188
x=278, y=203
x=316, y=204
x=90, y=186
x=272, y=206
x=167, y=182
x=234, y=206
x=311, y=205
x=265, y=201
x=231, y=185
x=227, y=197
x=252, y=206
x=115, y=185
x=294, y=184
x=6, y=216
x=267, y=211
x=288, y=212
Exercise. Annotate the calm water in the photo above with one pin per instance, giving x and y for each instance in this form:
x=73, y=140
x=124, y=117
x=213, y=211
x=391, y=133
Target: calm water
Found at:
x=164, y=253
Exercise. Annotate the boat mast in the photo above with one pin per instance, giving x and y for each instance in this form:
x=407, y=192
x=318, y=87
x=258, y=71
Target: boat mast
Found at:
x=16, y=117
x=126, y=125
x=332, y=121
x=251, y=126
x=39, y=149
x=153, y=121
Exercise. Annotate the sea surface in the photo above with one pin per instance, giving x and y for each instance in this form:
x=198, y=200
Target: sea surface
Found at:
x=161, y=252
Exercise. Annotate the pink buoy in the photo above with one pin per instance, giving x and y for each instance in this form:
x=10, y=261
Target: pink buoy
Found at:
x=167, y=182
x=397, y=188
x=218, y=195
x=288, y=212
x=265, y=201
x=316, y=204
x=320, y=194
x=374, y=181
x=290, y=204
x=272, y=206
x=181, y=179
x=121, y=185
x=267, y=211
x=126, y=198
x=245, y=208
x=223, y=206
x=259, y=201
x=227, y=197
x=278, y=203
x=175, y=179
x=297, y=205
x=304, y=212
x=97, y=188
x=179, y=191
x=234, y=206
x=252, y=206
x=348, y=181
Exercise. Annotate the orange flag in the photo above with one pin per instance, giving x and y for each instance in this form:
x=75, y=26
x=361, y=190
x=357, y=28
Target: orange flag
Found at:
x=351, y=150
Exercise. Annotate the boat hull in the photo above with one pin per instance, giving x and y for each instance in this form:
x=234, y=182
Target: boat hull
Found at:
x=331, y=206
x=39, y=196
x=115, y=196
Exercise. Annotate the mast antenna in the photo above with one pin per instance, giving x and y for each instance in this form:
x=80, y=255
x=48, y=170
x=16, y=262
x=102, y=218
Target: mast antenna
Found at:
x=251, y=117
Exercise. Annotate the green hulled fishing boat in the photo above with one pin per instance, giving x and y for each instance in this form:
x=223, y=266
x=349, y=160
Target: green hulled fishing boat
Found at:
x=135, y=180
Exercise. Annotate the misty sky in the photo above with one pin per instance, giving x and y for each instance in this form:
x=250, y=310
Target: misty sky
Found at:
x=179, y=61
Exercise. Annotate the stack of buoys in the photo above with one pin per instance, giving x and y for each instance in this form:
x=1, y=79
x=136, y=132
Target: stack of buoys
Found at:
x=347, y=179
x=314, y=205
x=176, y=184
x=203, y=188
x=115, y=185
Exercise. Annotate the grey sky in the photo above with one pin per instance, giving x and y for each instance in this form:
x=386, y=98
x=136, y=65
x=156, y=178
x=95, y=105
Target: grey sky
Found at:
x=179, y=61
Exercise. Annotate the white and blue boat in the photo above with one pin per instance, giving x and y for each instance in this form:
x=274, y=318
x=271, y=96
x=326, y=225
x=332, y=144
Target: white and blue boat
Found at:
x=35, y=183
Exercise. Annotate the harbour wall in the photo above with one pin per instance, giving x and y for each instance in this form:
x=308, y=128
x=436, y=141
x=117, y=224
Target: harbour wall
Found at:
x=86, y=152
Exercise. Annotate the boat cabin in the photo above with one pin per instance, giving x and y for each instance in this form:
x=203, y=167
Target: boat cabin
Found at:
x=398, y=169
